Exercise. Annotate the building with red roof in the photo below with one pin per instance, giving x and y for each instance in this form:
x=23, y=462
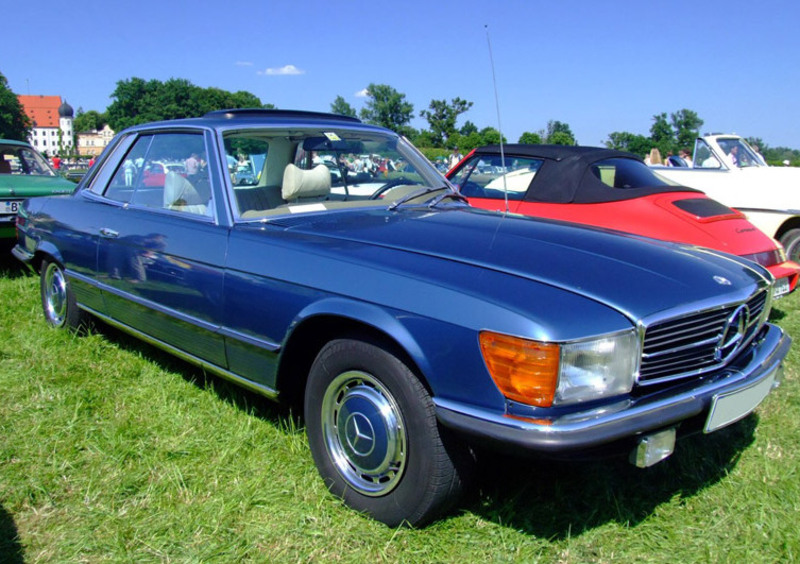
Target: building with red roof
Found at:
x=52, y=123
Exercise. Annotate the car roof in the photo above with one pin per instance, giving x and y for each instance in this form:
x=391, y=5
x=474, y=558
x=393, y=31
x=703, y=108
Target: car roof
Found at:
x=563, y=179
x=557, y=152
x=257, y=117
x=14, y=142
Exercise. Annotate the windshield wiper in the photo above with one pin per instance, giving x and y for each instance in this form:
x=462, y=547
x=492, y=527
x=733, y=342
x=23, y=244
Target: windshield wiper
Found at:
x=457, y=196
x=423, y=191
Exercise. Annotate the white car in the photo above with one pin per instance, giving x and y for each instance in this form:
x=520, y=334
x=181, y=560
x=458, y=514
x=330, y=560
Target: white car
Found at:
x=728, y=169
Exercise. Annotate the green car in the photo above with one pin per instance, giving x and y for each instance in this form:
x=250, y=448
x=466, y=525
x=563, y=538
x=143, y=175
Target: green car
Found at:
x=24, y=173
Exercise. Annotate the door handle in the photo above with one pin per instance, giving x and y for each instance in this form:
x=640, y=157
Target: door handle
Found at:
x=108, y=233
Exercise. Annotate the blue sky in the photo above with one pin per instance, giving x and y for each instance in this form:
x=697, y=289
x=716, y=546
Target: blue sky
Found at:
x=600, y=66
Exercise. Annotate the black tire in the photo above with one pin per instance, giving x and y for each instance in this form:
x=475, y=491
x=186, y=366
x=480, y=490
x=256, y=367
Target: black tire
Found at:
x=791, y=242
x=58, y=300
x=374, y=436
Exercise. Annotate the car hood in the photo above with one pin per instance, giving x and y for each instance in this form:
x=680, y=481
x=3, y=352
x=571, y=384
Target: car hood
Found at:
x=637, y=276
x=27, y=186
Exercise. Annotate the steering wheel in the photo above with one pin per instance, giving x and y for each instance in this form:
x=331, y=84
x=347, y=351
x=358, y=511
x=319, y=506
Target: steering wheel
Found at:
x=391, y=184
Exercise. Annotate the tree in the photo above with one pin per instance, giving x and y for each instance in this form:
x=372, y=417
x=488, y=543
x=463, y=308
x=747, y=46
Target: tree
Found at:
x=561, y=138
x=490, y=136
x=565, y=134
x=661, y=134
x=686, y=126
x=14, y=122
x=442, y=118
x=387, y=107
x=424, y=139
x=342, y=108
x=631, y=142
x=528, y=138
x=88, y=121
x=468, y=128
x=139, y=101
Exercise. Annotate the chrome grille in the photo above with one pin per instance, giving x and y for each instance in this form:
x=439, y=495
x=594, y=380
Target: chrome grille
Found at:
x=691, y=344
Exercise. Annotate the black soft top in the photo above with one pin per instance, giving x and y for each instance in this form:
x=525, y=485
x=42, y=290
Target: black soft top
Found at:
x=566, y=175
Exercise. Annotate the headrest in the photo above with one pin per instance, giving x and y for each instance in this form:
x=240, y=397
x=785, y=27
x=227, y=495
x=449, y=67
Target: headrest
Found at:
x=299, y=183
x=179, y=191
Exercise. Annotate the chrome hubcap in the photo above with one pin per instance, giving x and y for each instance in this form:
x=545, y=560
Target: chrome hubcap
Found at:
x=364, y=433
x=55, y=295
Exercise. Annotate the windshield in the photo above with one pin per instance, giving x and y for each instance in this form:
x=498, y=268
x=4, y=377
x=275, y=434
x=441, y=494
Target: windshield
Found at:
x=271, y=170
x=19, y=159
x=738, y=152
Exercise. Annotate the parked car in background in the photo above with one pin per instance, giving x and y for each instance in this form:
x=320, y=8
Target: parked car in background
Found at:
x=616, y=190
x=24, y=173
x=728, y=169
x=409, y=325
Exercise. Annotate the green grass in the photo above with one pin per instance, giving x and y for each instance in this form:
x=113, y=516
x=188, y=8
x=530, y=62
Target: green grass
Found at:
x=111, y=451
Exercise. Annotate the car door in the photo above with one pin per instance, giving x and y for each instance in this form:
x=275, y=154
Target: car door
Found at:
x=161, y=250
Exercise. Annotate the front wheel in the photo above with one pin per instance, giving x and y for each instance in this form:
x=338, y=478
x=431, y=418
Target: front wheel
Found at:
x=374, y=437
x=791, y=242
x=58, y=301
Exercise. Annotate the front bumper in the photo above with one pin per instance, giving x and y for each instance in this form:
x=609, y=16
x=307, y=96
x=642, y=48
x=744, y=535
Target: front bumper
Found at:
x=788, y=271
x=595, y=428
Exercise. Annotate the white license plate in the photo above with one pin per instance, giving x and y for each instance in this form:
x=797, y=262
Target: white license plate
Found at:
x=781, y=287
x=727, y=408
x=7, y=207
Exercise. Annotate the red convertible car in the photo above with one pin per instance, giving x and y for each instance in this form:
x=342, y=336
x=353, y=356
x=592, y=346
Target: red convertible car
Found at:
x=615, y=190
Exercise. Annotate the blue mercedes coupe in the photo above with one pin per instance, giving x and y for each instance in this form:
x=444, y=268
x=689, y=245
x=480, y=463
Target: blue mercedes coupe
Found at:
x=344, y=273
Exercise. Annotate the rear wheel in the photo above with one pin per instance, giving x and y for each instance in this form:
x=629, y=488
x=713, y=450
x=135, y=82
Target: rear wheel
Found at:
x=374, y=437
x=58, y=301
x=791, y=242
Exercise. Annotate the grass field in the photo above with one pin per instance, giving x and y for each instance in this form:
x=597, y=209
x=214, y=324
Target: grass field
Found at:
x=111, y=451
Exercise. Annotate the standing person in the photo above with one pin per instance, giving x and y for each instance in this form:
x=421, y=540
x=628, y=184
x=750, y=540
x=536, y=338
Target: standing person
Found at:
x=455, y=158
x=56, y=162
x=130, y=172
x=655, y=157
x=759, y=155
x=734, y=155
x=192, y=165
x=685, y=155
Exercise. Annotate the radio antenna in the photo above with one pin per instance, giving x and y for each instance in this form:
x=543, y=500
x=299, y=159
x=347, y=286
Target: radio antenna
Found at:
x=499, y=125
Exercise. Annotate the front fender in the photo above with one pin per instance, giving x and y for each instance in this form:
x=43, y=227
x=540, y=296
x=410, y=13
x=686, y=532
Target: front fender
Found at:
x=366, y=314
x=452, y=369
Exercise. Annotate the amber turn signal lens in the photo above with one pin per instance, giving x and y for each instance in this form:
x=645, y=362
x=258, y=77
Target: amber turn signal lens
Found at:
x=524, y=371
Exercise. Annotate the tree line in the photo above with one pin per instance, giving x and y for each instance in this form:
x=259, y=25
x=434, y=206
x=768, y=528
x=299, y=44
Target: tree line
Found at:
x=136, y=101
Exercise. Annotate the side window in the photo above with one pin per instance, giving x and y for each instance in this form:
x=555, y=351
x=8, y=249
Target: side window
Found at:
x=703, y=157
x=489, y=176
x=165, y=171
x=34, y=164
x=246, y=157
x=126, y=177
x=255, y=168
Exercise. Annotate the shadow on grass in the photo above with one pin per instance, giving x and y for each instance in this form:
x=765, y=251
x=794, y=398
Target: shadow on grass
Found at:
x=9, y=266
x=558, y=500
x=546, y=499
x=249, y=402
x=10, y=548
